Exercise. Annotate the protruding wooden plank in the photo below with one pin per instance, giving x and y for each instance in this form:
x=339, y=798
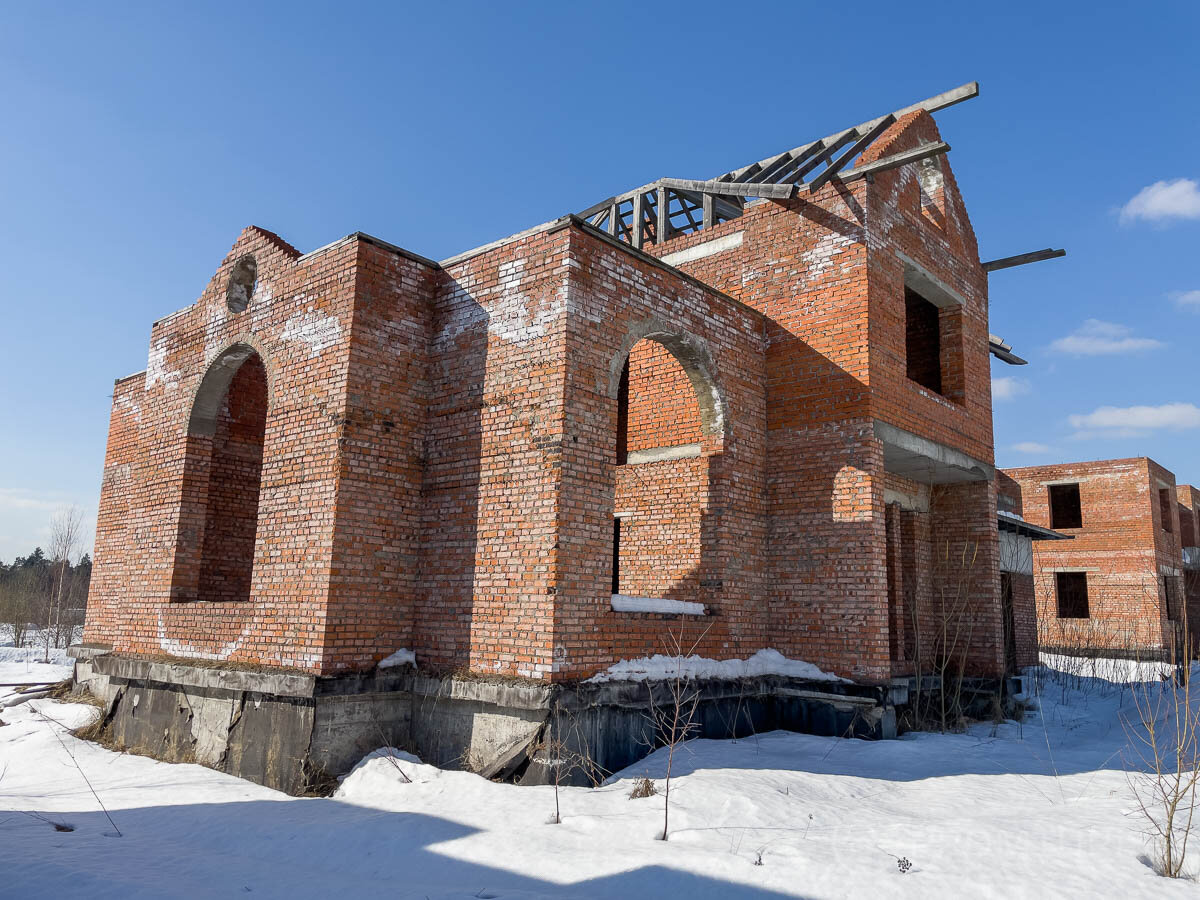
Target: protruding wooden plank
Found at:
x=967, y=91
x=1008, y=262
x=925, y=151
x=709, y=210
x=612, y=218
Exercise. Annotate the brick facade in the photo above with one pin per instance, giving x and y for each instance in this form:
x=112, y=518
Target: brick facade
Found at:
x=1189, y=537
x=380, y=452
x=1126, y=555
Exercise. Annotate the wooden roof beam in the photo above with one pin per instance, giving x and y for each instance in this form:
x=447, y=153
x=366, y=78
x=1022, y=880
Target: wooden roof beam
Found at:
x=1008, y=262
x=855, y=149
x=925, y=151
x=730, y=189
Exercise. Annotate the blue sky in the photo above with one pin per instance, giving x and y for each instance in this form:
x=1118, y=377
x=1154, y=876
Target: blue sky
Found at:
x=138, y=140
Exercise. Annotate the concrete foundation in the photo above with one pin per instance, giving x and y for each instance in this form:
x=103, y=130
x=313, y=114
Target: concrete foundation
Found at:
x=293, y=731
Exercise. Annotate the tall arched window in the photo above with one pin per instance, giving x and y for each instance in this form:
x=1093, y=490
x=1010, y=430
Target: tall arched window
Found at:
x=670, y=420
x=218, y=527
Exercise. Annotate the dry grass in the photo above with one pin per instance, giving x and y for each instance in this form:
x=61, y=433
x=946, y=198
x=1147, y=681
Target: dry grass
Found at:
x=642, y=788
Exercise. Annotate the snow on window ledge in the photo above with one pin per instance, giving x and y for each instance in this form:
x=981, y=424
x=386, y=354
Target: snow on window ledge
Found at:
x=399, y=658
x=625, y=603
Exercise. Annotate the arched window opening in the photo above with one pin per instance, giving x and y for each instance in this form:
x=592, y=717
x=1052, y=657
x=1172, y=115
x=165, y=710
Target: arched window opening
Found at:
x=669, y=424
x=242, y=281
x=222, y=479
x=658, y=412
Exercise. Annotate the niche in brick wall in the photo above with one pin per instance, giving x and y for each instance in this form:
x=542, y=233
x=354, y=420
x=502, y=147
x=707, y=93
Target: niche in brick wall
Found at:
x=218, y=527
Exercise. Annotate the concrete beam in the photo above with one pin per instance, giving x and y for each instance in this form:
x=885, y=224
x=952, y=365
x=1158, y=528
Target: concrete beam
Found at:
x=926, y=461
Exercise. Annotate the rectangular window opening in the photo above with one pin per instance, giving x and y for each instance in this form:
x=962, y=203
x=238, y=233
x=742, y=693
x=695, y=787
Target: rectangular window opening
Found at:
x=616, y=557
x=1072, y=595
x=1171, y=595
x=1065, y=508
x=922, y=341
x=1164, y=508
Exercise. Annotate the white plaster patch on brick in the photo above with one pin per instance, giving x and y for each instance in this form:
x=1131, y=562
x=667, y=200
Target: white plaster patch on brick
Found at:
x=116, y=474
x=128, y=404
x=213, y=327
x=260, y=304
x=316, y=332
x=464, y=314
x=510, y=313
x=823, y=256
x=156, y=367
x=172, y=647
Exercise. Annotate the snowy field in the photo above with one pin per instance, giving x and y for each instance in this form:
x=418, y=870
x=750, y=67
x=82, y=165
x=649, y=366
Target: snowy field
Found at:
x=1041, y=809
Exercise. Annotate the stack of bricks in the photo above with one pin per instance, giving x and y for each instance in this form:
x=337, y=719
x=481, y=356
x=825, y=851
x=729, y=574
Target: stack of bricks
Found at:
x=440, y=467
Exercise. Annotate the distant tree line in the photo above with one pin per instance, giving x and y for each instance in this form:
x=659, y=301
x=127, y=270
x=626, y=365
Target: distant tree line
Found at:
x=43, y=596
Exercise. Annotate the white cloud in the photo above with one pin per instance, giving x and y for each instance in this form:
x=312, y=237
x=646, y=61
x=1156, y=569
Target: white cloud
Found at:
x=1009, y=387
x=1098, y=338
x=1164, y=200
x=1186, y=299
x=1132, y=421
x=1031, y=447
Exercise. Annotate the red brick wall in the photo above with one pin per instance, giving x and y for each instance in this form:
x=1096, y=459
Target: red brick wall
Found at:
x=439, y=456
x=1121, y=545
x=299, y=322
x=120, y=494
x=1025, y=620
x=824, y=271
x=662, y=402
x=1189, y=537
x=234, y=468
x=712, y=506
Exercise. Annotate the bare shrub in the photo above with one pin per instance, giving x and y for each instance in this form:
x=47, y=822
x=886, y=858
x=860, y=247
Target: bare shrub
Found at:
x=642, y=788
x=66, y=534
x=562, y=750
x=1164, y=742
x=675, y=720
x=941, y=650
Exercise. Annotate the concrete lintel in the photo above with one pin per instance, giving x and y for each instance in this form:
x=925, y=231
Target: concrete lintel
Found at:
x=910, y=502
x=928, y=285
x=926, y=461
x=707, y=248
x=662, y=454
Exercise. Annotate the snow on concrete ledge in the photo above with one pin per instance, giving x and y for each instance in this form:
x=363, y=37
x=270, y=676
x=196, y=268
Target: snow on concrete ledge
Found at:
x=626, y=603
x=399, y=658
x=659, y=668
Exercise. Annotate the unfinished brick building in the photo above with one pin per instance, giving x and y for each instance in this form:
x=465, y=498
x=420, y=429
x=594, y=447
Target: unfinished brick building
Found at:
x=1018, y=603
x=749, y=409
x=1189, y=538
x=1117, y=586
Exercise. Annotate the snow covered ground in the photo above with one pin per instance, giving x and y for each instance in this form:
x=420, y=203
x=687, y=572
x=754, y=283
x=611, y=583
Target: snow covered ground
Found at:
x=1041, y=809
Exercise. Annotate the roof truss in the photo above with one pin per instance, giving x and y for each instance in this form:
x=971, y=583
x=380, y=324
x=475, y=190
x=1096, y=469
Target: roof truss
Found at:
x=665, y=208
